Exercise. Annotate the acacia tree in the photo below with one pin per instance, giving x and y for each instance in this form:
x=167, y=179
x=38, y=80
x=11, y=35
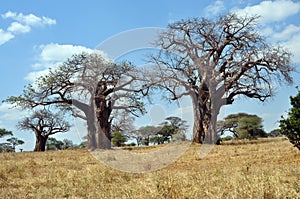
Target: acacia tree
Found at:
x=92, y=88
x=4, y=132
x=13, y=141
x=213, y=62
x=44, y=123
x=243, y=125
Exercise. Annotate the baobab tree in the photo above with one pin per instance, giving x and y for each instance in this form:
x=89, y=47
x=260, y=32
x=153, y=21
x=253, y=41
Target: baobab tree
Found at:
x=44, y=123
x=213, y=62
x=91, y=87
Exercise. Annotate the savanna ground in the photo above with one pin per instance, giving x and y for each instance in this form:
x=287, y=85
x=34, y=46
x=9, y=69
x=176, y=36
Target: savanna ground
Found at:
x=267, y=168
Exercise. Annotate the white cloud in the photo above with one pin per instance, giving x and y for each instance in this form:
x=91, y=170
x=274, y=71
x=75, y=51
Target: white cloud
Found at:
x=293, y=45
x=215, y=8
x=22, y=24
x=58, y=53
x=5, y=36
x=30, y=19
x=16, y=27
x=287, y=33
x=32, y=76
x=53, y=54
x=271, y=11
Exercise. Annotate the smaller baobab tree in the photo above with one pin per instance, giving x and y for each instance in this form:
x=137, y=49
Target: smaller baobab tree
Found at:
x=44, y=123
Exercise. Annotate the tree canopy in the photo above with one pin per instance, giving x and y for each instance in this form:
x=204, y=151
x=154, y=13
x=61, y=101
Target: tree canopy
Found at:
x=243, y=125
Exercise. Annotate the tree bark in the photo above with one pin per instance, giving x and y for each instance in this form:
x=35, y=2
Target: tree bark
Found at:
x=40, y=144
x=206, y=108
x=103, y=134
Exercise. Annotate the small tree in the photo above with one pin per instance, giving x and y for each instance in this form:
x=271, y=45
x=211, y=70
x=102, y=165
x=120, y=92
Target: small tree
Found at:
x=54, y=144
x=290, y=126
x=243, y=125
x=13, y=141
x=118, y=139
x=274, y=133
x=44, y=123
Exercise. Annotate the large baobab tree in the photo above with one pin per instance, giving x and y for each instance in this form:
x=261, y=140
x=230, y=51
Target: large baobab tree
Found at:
x=92, y=88
x=44, y=123
x=214, y=61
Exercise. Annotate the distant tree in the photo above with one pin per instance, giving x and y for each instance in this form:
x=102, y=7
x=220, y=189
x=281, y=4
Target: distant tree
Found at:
x=13, y=141
x=118, y=139
x=6, y=147
x=68, y=144
x=275, y=133
x=172, y=129
x=83, y=144
x=163, y=134
x=290, y=126
x=122, y=122
x=4, y=132
x=144, y=134
x=44, y=123
x=215, y=61
x=243, y=125
x=54, y=144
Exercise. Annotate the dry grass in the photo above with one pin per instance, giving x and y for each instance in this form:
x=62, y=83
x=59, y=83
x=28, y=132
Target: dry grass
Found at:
x=265, y=169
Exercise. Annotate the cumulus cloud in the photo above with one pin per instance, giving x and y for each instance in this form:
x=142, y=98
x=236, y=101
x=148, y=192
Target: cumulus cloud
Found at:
x=22, y=24
x=16, y=27
x=291, y=45
x=215, y=8
x=57, y=52
x=30, y=19
x=271, y=11
x=5, y=36
x=53, y=54
x=288, y=32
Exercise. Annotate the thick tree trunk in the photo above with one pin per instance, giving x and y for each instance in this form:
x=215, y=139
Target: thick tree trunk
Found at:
x=40, y=144
x=206, y=108
x=91, y=142
x=103, y=135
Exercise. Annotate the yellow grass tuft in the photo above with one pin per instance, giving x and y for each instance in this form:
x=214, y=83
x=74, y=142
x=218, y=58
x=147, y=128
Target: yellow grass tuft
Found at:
x=268, y=168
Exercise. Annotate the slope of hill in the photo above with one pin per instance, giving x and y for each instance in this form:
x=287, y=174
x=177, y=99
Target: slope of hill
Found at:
x=268, y=168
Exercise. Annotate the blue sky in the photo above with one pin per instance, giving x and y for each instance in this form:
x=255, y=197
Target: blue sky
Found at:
x=35, y=35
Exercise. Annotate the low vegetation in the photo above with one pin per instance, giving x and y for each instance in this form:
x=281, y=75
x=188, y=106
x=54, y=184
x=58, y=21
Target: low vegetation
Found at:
x=266, y=168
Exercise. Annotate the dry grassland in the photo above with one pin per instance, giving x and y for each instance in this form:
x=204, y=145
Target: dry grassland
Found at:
x=268, y=168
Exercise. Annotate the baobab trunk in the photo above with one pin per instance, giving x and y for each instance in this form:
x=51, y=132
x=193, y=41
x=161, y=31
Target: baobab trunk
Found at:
x=205, y=119
x=103, y=134
x=40, y=143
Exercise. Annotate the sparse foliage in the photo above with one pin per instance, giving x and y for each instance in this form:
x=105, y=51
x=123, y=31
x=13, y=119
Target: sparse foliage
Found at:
x=44, y=123
x=213, y=62
x=94, y=86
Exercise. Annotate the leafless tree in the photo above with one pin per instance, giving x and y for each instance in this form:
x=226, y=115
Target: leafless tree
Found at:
x=213, y=62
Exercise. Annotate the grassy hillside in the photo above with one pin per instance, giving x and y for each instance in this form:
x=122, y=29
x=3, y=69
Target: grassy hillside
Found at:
x=268, y=168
